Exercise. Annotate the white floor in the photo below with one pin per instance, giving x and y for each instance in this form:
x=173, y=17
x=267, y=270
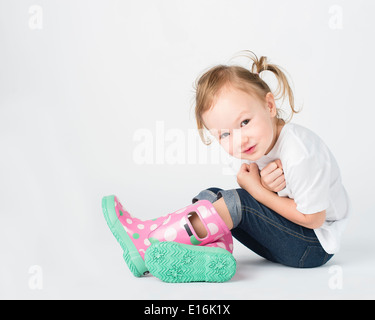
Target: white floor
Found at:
x=349, y=275
x=66, y=251
x=100, y=273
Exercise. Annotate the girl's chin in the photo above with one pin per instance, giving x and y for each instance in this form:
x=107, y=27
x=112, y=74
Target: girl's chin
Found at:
x=244, y=156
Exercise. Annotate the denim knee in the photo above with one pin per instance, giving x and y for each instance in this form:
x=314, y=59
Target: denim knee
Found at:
x=233, y=203
x=209, y=194
x=231, y=199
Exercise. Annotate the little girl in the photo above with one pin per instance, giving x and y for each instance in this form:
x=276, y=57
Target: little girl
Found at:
x=291, y=208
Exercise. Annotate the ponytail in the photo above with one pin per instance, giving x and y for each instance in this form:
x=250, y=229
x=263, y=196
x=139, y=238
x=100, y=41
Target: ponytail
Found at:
x=284, y=89
x=209, y=84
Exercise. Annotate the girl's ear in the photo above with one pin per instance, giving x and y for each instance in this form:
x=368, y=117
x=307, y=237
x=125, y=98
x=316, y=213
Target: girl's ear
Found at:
x=271, y=105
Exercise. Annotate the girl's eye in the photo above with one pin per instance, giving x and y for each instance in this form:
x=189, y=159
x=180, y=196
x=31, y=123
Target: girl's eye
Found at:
x=224, y=135
x=245, y=122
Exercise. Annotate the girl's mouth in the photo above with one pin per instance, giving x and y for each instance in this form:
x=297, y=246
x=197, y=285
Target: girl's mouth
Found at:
x=250, y=150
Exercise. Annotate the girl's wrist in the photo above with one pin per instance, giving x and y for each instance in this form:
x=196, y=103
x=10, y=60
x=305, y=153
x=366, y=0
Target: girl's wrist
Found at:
x=259, y=193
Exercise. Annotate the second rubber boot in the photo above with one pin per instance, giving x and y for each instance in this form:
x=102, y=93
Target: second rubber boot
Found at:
x=133, y=234
x=177, y=260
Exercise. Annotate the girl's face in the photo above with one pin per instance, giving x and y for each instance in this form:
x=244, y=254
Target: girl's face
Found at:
x=244, y=126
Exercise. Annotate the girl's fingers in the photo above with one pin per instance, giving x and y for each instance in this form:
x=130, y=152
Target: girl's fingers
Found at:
x=275, y=184
x=243, y=168
x=279, y=164
x=276, y=174
x=280, y=187
x=268, y=169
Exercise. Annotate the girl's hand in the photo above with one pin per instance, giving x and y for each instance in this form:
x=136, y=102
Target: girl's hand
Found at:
x=272, y=176
x=249, y=179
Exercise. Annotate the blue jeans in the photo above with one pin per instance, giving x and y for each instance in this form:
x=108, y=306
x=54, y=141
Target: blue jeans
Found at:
x=267, y=233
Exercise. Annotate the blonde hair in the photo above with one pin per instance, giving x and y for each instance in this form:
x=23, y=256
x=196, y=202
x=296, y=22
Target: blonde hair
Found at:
x=208, y=86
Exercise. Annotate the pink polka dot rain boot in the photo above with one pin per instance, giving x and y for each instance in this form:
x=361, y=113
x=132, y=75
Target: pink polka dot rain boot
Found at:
x=172, y=237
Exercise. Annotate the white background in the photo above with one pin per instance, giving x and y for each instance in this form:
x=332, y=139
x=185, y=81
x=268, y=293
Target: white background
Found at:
x=76, y=87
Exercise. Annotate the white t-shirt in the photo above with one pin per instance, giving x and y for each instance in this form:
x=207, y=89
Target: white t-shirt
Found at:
x=312, y=179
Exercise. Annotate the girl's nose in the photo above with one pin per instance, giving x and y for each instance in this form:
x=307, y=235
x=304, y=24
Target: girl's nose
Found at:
x=244, y=140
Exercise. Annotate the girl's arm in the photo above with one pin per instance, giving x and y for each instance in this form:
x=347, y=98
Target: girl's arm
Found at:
x=288, y=209
x=249, y=179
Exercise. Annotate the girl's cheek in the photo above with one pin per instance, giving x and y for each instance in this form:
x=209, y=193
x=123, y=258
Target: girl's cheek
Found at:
x=231, y=149
x=227, y=147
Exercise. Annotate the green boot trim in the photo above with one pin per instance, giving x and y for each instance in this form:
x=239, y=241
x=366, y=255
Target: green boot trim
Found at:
x=131, y=255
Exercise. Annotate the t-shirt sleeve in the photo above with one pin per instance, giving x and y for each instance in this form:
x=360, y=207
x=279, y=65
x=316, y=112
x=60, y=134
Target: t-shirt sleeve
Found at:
x=309, y=181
